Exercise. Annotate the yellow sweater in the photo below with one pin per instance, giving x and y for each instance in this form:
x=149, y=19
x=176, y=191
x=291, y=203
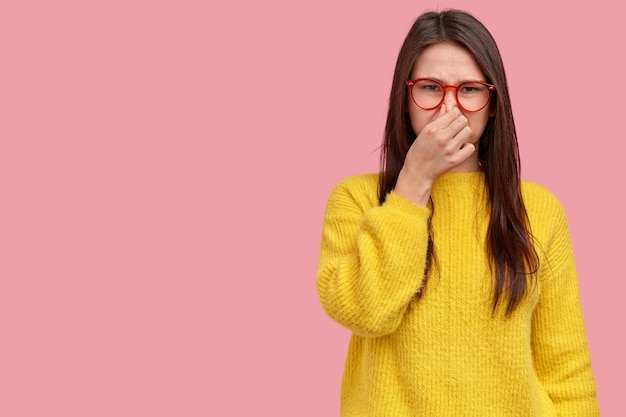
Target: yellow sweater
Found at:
x=446, y=354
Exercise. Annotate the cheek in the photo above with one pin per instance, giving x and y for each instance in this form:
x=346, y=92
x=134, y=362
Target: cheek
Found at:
x=420, y=118
x=477, y=123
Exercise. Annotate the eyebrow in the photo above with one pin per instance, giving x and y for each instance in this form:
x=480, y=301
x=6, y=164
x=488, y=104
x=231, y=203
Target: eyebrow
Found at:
x=459, y=83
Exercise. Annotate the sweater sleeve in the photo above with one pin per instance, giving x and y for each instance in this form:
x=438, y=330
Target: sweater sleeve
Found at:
x=560, y=352
x=372, y=258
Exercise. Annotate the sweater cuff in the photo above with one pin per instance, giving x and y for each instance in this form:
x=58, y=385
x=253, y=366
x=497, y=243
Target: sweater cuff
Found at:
x=397, y=202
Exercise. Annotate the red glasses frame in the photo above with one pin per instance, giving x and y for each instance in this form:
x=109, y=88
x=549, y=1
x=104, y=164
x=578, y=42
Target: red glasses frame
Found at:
x=490, y=87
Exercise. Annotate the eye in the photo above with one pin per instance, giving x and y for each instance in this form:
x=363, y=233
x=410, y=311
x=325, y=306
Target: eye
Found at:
x=428, y=86
x=472, y=88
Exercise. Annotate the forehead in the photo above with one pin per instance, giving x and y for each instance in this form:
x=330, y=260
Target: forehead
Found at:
x=448, y=63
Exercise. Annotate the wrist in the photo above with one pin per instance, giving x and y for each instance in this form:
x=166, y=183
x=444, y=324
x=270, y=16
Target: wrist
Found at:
x=414, y=190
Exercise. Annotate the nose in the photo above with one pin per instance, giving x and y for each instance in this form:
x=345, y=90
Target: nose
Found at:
x=449, y=97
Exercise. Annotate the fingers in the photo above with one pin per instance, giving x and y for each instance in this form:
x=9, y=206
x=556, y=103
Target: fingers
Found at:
x=466, y=151
x=441, y=145
x=447, y=126
x=447, y=123
x=444, y=117
x=451, y=134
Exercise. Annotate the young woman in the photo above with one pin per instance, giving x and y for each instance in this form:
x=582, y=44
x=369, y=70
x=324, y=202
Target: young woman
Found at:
x=456, y=278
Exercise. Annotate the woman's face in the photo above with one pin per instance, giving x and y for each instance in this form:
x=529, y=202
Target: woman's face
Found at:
x=450, y=65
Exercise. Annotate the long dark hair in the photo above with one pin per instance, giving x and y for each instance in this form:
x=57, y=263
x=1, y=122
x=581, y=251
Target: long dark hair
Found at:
x=509, y=243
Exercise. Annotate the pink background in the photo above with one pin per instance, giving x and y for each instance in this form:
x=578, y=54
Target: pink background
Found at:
x=164, y=167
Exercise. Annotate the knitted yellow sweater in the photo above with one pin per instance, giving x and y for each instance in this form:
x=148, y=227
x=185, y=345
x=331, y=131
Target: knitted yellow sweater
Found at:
x=445, y=354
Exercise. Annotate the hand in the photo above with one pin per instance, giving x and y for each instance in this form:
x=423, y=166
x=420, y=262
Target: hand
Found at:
x=442, y=145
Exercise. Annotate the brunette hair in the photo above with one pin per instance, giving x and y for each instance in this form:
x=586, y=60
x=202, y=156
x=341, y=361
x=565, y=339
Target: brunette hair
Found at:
x=508, y=243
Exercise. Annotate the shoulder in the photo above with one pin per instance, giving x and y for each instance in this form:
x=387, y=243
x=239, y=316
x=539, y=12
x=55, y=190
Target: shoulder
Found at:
x=545, y=212
x=359, y=190
x=539, y=198
x=360, y=183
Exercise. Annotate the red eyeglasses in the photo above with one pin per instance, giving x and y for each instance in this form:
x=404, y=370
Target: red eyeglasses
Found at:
x=472, y=96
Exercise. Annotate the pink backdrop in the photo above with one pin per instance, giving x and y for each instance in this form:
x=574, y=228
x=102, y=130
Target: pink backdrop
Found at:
x=164, y=167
